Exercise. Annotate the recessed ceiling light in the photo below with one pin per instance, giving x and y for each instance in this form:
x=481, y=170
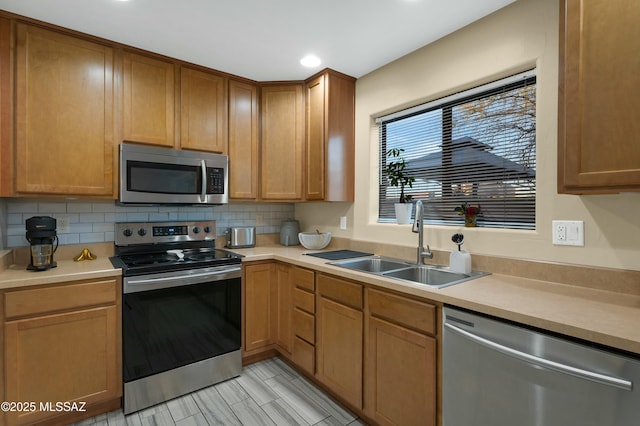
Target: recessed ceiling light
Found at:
x=310, y=61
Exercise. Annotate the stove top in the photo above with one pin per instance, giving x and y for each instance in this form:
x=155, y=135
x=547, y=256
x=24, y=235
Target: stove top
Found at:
x=146, y=248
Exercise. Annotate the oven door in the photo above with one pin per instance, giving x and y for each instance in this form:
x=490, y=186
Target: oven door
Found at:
x=175, y=319
x=151, y=175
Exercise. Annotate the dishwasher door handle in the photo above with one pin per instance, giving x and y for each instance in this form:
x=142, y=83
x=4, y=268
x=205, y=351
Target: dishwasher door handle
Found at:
x=545, y=363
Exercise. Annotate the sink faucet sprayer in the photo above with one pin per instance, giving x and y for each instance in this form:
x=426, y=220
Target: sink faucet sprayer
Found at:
x=418, y=227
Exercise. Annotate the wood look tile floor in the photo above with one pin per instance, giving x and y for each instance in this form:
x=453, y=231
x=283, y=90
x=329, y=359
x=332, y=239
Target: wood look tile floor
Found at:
x=266, y=393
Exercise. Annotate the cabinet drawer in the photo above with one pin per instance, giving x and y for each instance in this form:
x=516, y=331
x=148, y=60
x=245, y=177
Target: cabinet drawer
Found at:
x=58, y=298
x=341, y=291
x=304, y=355
x=400, y=310
x=304, y=325
x=304, y=300
x=304, y=278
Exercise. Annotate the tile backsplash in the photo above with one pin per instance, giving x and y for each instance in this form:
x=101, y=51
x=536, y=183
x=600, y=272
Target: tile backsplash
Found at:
x=92, y=222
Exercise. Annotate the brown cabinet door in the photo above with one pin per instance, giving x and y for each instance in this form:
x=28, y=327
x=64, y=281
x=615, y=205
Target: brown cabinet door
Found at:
x=339, y=349
x=598, y=112
x=71, y=356
x=401, y=375
x=282, y=142
x=64, y=114
x=243, y=141
x=203, y=111
x=259, y=298
x=330, y=141
x=284, y=306
x=315, y=148
x=148, y=100
x=6, y=109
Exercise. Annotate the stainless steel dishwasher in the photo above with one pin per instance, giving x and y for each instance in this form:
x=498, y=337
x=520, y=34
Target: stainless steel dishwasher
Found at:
x=497, y=373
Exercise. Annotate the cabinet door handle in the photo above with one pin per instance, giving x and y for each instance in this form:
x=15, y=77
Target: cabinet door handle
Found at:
x=545, y=363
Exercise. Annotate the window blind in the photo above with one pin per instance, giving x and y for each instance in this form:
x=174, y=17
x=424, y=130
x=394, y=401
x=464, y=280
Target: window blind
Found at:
x=476, y=147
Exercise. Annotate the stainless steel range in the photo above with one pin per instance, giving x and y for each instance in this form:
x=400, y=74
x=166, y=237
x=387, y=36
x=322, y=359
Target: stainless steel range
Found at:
x=181, y=313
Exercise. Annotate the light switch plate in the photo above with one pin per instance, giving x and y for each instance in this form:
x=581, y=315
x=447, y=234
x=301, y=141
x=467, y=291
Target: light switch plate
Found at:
x=568, y=232
x=343, y=222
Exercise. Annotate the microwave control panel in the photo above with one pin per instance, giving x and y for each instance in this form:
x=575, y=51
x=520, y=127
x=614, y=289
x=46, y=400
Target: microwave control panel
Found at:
x=215, y=180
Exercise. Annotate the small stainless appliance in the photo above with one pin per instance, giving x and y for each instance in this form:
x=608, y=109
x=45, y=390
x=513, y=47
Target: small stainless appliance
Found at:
x=41, y=234
x=181, y=312
x=503, y=374
x=289, y=230
x=151, y=175
x=241, y=236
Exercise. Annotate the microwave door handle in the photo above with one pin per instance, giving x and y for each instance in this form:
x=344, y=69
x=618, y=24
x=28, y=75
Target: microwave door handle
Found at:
x=203, y=186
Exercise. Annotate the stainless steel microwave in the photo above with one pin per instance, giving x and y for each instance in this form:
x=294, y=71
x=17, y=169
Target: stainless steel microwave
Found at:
x=151, y=175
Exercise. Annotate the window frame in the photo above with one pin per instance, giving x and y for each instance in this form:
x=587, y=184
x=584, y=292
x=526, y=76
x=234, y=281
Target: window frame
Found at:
x=446, y=105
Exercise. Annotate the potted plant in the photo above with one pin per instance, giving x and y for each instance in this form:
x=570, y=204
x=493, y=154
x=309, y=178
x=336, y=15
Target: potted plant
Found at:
x=395, y=171
x=469, y=212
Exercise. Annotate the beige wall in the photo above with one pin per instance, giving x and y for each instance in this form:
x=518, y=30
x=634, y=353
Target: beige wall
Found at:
x=519, y=37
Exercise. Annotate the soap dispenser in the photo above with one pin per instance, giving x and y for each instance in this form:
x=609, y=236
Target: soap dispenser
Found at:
x=459, y=261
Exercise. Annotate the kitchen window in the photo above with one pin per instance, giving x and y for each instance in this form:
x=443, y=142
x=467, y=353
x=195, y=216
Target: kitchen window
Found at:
x=476, y=147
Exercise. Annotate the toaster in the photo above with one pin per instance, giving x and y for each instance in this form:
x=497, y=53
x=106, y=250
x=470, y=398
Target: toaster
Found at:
x=241, y=236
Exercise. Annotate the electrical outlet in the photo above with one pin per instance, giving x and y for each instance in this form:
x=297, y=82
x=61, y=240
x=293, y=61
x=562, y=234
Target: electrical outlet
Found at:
x=568, y=232
x=259, y=219
x=62, y=225
x=343, y=222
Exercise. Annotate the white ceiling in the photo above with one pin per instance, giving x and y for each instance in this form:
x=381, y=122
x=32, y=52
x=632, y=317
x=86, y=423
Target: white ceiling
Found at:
x=264, y=39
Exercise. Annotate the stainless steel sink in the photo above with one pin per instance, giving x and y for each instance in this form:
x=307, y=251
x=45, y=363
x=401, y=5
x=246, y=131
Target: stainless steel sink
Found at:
x=374, y=264
x=431, y=275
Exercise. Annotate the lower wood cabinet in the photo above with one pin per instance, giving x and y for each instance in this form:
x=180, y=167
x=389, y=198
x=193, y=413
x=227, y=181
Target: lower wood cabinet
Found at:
x=401, y=360
x=377, y=351
x=258, y=297
x=339, y=337
x=62, y=344
x=303, y=353
x=267, y=301
x=284, y=306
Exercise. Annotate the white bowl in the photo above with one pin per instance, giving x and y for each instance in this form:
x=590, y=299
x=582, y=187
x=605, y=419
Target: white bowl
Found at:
x=314, y=240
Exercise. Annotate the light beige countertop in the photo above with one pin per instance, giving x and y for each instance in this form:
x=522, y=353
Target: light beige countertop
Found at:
x=599, y=316
x=14, y=273
x=606, y=317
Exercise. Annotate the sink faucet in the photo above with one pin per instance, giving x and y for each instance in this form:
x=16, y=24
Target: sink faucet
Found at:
x=418, y=227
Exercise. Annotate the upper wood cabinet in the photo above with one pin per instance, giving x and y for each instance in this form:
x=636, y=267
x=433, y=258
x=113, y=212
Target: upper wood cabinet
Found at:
x=64, y=114
x=149, y=100
x=330, y=140
x=203, y=111
x=243, y=141
x=282, y=142
x=598, y=149
x=6, y=109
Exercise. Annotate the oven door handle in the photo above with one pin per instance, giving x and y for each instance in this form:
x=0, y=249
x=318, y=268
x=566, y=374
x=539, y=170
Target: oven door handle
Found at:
x=133, y=285
x=203, y=187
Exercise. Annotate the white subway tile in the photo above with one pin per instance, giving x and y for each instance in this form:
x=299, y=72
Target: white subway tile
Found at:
x=14, y=219
x=92, y=237
x=79, y=207
x=91, y=217
x=52, y=207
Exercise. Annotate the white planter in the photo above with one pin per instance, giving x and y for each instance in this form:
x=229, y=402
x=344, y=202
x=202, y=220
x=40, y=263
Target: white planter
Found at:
x=403, y=212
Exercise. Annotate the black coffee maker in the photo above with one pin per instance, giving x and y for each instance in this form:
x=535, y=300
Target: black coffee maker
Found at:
x=41, y=233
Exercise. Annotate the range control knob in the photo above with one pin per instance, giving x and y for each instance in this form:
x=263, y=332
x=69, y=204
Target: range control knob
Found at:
x=142, y=232
x=127, y=232
x=196, y=230
x=207, y=229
